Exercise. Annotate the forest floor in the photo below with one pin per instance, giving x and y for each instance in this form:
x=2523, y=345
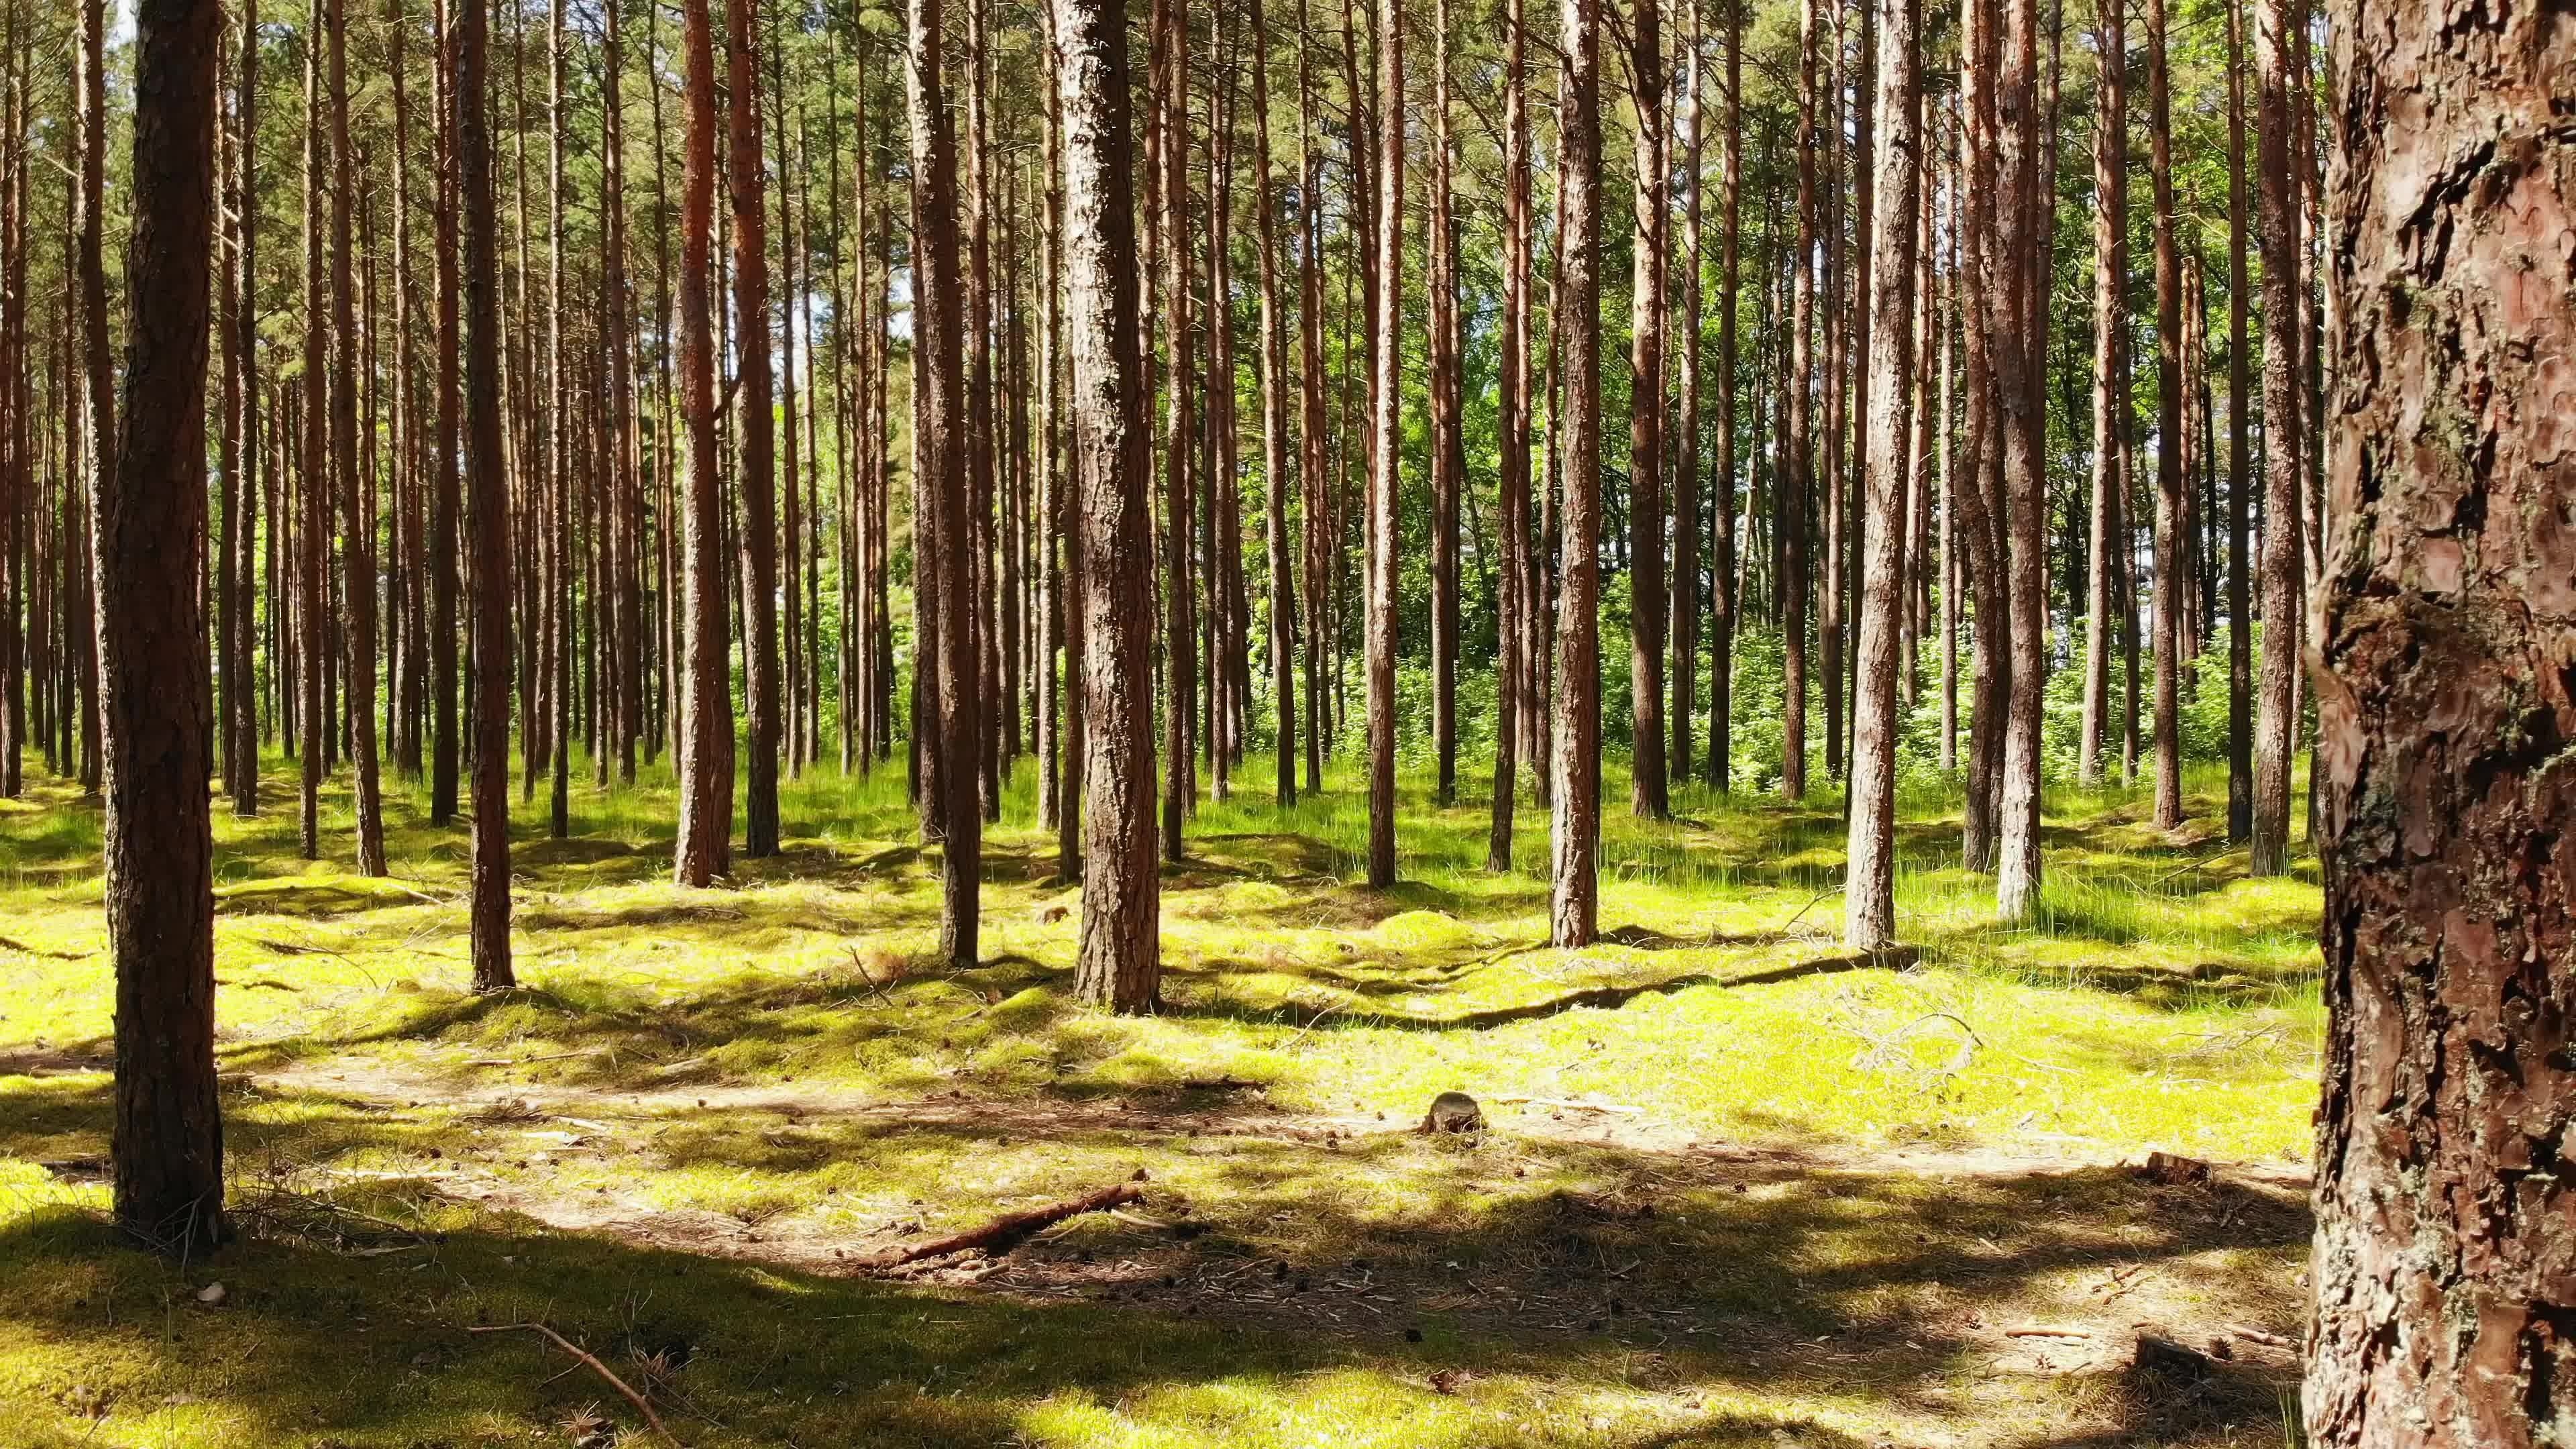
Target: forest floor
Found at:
x=1736, y=1188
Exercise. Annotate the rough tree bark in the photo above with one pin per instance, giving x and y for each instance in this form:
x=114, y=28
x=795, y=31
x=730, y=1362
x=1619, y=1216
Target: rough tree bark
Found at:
x=1869, y=895
x=2276, y=719
x=1650, y=794
x=940, y=408
x=755, y=476
x=167, y=1139
x=1119, y=962
x=2110, y=408
x=1274, y=423
x=1575, y=786
x=1386, y=440
x=2171, y=443
x=704, y=849
x=487, y=522
x=2240, y=618
x=2444, y=1274
x=1798, y=483
x=1513, y=682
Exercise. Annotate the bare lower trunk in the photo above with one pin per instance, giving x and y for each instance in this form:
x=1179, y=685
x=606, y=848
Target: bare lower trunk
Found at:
x=2442, y=1295
x=487, y=525
x=150, y=519
x=1869, y=918
x=1119, y=962
x=1575, y=787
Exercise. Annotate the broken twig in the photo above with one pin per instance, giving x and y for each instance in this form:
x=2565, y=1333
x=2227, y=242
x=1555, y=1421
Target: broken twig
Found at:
x=577, y=1351
x=1010, y=1229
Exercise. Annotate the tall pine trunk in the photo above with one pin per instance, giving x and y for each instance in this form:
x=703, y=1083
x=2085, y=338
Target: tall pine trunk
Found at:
x=487, y=524
x=704, y=849
x=166, y=1141
x=1119, y=963
x=2441, y=1290
x=1575, y=327
x=1869, y=918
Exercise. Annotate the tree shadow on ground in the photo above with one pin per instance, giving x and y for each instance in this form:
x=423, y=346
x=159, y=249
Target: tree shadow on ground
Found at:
x=1718, y=1289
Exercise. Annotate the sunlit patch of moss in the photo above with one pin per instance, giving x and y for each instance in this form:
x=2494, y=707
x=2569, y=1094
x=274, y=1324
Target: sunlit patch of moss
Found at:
x=859, y=1086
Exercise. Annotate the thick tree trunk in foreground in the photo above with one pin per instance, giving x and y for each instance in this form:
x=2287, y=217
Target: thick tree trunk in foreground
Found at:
x=1869, y=910
x=168, y=1139
x=705, y=846
x=487, y=523
x=1575, y=786
x=2445, y=1266
x=940, y=409
x=1120, y=958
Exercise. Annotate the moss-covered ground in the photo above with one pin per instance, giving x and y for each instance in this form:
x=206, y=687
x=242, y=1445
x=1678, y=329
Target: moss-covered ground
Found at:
x=1737, y=1186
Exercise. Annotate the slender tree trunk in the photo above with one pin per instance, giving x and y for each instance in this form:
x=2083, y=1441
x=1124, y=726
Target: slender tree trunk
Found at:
x=2284, y=449
x=2441, y=1300
x=1869, y=918
x=445, y=503
x=1171, y=60
x=240, y=541
x=2240, y=477
x=1386, y=445
x=1513, y=678
x=1575, y=327
x=1314, y=480
x=1119, y=962
x=1981, y=515
x=755, y=451
x=2172, y=386
x=1274, y=424
x=941, y=402
x=1682, y=612
x=357, y=520
x=2022, y=128
x=1650, y=795
x=1448, y=446
x=1798, y=484
x=1722, y=558
x=2110, y=409
x=167, y=1139
x=487, y=524
x=706, y=728
x=313, y=472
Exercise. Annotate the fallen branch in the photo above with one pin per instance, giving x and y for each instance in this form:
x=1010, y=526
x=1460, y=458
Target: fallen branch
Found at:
x=577, y=1351
x=523, y=1061
x=2034, y=1330
x=1317, y=1021
x=1570, y=1104
x=24, y=949
x=1010, y=1229
x=2256, y=1335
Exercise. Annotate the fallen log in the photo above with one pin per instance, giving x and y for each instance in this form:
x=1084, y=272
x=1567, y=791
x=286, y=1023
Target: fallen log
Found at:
x=1009, y=1230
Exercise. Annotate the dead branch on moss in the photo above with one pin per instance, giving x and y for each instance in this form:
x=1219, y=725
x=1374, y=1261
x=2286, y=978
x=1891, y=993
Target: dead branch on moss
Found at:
x=641, y=1404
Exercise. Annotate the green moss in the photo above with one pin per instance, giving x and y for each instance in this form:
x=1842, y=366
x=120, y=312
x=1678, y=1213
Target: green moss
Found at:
x=731, y=1084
